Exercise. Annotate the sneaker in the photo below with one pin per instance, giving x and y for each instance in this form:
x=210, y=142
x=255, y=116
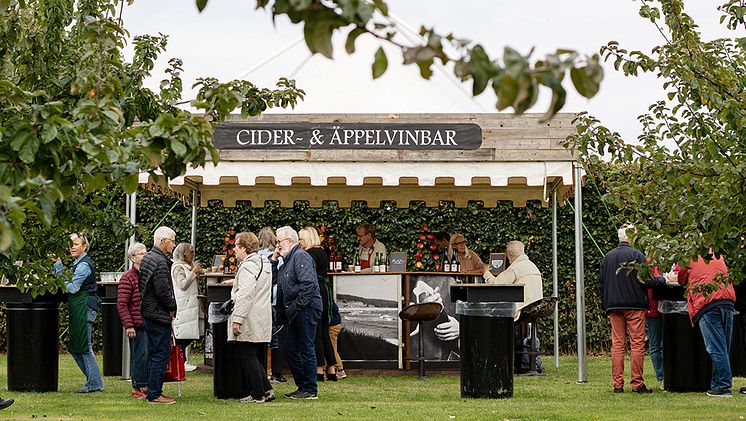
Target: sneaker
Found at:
x=137, y=394
x=189, y=367
x=304, y=395
x=618, y=390
x=269, y=396
x=332, y=377
x=662, y=386
x=743, y=390
x=83, y=390
x=341, y=374
x=643, y=389
x=278, y=379
x=290, y=394
x=725, y=393
x=164, y=400
x=251, y=399
x=4, y=403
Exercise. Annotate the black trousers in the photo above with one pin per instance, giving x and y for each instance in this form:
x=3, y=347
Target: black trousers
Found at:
x=254, y=380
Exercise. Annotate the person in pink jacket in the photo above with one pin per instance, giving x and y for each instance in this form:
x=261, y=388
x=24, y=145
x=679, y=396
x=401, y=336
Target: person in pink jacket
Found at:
x=128, y=307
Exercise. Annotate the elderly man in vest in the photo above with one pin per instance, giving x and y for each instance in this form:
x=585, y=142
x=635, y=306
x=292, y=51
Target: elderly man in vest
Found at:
x=158, y=309
x=713, y=312
x=83, y=305
x=524, y=272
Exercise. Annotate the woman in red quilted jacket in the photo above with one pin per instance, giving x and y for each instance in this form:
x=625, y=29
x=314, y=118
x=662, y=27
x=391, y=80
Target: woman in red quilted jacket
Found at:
x=128, y=306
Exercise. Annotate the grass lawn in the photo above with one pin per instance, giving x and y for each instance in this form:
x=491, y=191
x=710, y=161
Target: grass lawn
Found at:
x=554, y=396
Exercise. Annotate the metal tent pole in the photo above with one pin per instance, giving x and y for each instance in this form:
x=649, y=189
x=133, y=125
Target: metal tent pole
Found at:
x=555, y=292
x=132, y=214
x=194, y=219
x=579, y=280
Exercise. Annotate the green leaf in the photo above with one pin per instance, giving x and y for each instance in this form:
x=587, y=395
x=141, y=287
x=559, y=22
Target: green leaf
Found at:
x=318, y=35
x=351, y=37
x=380, y=63
x=382, y=7
x=130, y=183
x=178, y=147
x=201, y=4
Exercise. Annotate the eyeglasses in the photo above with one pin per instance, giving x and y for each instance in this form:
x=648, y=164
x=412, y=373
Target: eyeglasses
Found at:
x=142, y=253
x=458, y=243
x=362, y=235
x=281, y=241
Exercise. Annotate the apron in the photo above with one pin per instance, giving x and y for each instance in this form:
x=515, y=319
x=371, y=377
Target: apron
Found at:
x=78, y=325
x=365, y=264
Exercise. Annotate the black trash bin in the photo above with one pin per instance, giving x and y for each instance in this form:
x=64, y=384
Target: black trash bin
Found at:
x=486, y=349
x=686, y=364
x=226, y=372
x=33, y=357
x=737, y=349
x=112, y=338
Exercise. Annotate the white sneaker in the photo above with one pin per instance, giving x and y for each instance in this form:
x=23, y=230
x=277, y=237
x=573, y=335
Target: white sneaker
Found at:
x=189, y=367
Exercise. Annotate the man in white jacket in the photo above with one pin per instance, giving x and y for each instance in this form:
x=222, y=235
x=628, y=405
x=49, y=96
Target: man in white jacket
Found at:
x=520, y=272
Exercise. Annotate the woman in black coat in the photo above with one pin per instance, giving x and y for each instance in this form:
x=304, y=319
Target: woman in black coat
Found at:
x=325, y=360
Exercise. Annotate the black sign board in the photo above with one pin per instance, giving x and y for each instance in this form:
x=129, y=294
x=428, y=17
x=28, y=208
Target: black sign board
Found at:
x=340, y=136
x=398, y=262
x=497, y=262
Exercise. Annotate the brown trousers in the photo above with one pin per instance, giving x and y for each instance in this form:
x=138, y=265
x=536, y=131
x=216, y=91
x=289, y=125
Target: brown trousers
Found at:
x=621, y=322
x=333, y=334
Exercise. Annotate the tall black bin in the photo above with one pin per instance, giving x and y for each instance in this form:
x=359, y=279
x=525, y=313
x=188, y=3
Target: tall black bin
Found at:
x=112, y=338
x=686, y=364
x=226, y=372
x=33, y=357
x=486, y=349
x=737, y=349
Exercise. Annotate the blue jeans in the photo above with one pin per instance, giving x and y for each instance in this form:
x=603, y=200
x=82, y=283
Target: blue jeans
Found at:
x=655, y=343
x=300, y=346
x=139, y=359
x=87, y=361
x=716, y=325
x=159, y=350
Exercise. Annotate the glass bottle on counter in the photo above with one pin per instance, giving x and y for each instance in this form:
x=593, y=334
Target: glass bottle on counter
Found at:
x=357, y=262
x=387, y=264
x=446, y=264
x=455, y=263
x=338, y=263
x=332, y=265
x=376, y=264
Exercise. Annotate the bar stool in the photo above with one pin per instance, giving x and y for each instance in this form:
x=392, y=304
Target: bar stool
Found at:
x=421, y=312
x=530, y=314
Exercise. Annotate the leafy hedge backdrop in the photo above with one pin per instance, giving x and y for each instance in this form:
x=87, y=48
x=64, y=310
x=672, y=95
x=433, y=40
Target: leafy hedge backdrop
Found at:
x=486, y=230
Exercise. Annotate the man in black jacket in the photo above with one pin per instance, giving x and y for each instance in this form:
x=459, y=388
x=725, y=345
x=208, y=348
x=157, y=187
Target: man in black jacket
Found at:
x=625, y=300
x=158, y=309
x=299, y=306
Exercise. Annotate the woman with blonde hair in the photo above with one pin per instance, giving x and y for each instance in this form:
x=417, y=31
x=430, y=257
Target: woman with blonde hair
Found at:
x=250, y=322
x=308, y=238
x=189, y=318
x=469, y=261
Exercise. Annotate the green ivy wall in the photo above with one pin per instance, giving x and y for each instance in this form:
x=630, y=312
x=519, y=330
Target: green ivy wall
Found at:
x=486, y=230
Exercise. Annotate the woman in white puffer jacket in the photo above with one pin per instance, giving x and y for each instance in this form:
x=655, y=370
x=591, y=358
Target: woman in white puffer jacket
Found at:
x=189, y=318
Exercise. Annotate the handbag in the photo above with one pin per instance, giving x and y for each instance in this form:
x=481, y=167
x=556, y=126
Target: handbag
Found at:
x=175, y=371
x=227, y=307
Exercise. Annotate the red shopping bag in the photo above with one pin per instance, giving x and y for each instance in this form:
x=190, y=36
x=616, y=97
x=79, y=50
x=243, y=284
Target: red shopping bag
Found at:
x=175, y=369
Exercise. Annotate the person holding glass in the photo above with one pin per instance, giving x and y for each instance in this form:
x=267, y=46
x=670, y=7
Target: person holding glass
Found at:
x=189, y=319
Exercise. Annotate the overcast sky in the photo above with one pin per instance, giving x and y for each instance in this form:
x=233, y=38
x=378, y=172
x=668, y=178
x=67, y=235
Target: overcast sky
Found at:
x=230, y=39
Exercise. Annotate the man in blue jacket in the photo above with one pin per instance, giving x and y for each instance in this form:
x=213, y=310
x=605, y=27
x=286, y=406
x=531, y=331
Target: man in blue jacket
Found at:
x=625, y=300
x=299, y=307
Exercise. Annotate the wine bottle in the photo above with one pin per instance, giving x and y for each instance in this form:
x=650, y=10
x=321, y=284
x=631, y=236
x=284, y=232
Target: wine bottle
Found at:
x=446, y=264
x=332, y=266
x=455, y=263
x=338, y=263
x=357, y=262
x=388, y=264
x=376, y=264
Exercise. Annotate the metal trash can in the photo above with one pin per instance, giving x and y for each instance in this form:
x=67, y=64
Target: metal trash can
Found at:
x=486, y=349
x=112, y=338
x=686, y=364
x=226, y=372
x=33, y=357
